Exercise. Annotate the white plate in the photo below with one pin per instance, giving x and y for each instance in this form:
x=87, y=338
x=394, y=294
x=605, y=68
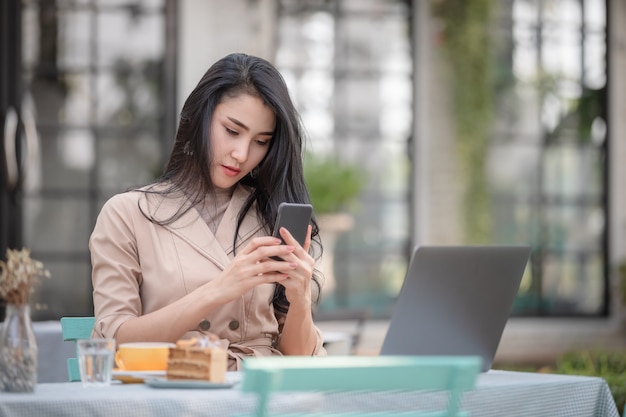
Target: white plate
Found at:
x=136, y=376
x=184, y=383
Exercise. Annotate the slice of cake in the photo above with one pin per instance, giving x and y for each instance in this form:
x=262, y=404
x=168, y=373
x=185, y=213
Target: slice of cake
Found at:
x=191, y=360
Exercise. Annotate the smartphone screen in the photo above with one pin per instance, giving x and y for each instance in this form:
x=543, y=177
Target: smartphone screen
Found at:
x=294, y=217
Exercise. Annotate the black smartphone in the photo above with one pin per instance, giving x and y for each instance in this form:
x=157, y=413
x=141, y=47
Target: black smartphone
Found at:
x=294, y=217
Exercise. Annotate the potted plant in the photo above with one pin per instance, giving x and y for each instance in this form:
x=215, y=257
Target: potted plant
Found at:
x=333, y=186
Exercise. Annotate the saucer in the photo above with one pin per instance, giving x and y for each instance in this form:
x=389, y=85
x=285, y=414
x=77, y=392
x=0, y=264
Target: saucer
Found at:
x=130, y=377
x=186, y=384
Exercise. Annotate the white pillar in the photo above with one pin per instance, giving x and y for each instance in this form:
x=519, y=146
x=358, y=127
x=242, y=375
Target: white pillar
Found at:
x=210, y=30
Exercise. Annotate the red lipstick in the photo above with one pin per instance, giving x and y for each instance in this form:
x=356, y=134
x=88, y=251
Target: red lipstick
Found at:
x=230, y=171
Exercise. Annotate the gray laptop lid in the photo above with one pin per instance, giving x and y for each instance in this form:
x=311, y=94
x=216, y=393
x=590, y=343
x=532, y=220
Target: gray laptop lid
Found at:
x=456, y=300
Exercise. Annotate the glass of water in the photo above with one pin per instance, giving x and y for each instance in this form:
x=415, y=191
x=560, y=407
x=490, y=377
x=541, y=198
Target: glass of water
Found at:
x=95, y=361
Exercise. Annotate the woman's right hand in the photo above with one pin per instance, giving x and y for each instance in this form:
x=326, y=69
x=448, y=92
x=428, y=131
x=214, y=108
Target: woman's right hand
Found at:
x=251, y=267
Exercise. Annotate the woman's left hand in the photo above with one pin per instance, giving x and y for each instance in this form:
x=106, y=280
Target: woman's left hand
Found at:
x=298, y=282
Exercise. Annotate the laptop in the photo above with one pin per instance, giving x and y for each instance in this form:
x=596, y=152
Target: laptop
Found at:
x=456, y=300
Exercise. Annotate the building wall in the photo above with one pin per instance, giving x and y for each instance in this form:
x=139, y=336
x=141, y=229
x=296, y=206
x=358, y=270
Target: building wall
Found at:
x=524, y=339
x=438, y=192
x=209, y=30
x=540, y=339
x=617, y=145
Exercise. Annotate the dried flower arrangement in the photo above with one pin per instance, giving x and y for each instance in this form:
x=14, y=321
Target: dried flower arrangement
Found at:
x=18, y=276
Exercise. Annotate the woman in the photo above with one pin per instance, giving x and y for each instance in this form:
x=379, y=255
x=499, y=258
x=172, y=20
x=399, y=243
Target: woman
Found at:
x=191, y=253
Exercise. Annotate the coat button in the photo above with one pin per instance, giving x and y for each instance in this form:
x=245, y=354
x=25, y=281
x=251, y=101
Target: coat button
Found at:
x=204, y=325
x=233, y=325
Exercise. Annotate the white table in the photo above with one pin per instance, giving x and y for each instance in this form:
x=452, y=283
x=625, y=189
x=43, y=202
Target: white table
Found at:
x=498, y=393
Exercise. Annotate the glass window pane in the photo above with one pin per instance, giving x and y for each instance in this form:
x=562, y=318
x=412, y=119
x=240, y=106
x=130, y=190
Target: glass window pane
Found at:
x=572, y=172
x=572, y=283
x=57, y=225
x=128, y=35
x=128, y=95
x=76, y=108
x=595, y=15
x=307, y=41
x=75, y=50
x=128, y=160
x=66, y=293
x=30, y=35
x=595, y=60
x=67, y=157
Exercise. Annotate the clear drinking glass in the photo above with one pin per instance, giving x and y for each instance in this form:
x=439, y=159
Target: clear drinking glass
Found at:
x=95, y=361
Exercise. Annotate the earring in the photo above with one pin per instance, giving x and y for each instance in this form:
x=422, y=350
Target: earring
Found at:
x=254, y=172
x=187, y=149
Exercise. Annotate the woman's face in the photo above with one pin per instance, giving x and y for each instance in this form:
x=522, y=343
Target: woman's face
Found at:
x=241, y=130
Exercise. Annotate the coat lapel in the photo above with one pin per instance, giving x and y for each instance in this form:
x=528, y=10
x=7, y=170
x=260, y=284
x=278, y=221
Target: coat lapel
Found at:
x=192, y=229
x=226, y=229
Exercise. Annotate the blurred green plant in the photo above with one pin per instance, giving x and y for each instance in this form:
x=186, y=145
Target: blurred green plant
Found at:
x=333, y=185
x=609, y=365
x=466, y=38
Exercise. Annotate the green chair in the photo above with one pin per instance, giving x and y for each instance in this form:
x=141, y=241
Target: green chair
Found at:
x=75, y=328
x=452, y=374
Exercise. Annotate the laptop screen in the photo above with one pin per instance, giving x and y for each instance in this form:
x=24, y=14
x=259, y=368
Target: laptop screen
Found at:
x=456, y=300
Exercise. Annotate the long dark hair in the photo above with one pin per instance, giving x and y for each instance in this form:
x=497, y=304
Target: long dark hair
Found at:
x=279, y=176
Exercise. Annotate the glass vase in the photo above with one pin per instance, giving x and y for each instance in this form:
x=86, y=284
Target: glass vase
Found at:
x=18, y=350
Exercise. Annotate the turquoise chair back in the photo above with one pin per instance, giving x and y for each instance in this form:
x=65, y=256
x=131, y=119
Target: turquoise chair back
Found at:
x=453, y=374
x=75, y=328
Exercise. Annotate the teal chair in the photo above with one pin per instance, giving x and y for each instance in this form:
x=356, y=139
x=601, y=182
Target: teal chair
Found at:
x=452, y=374
x=75, y=328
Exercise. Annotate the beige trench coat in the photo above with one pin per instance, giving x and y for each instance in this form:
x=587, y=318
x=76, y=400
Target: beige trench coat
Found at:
x=140, y=267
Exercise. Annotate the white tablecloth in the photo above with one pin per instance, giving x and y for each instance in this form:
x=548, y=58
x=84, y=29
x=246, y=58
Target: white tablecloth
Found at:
x=498, y=393
x=503, y=394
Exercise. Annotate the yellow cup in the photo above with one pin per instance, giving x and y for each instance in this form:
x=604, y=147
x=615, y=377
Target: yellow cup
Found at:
x=143, y=356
